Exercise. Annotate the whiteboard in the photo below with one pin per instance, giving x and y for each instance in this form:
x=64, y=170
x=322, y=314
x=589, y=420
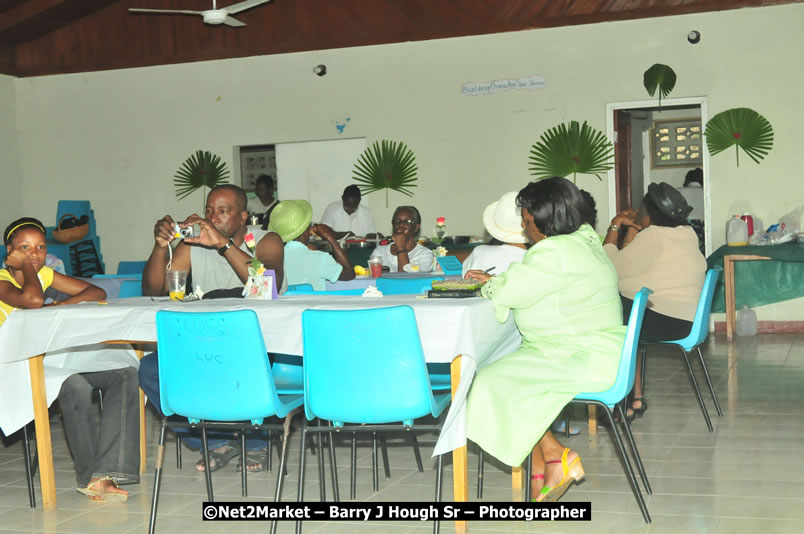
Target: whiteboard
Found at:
x=316, y=171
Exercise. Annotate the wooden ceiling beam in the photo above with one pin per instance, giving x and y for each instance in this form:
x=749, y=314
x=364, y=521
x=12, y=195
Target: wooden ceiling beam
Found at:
x=26, y=11
x=7, y=64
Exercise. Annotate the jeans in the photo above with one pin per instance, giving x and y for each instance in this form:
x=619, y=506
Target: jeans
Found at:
x=149, y=382
x=109, y=446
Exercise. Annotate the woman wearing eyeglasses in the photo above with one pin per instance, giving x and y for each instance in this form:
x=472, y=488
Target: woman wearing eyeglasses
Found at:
x=403, y=249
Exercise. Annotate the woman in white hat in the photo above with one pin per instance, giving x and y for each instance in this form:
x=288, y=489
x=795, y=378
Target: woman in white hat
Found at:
x=503, y=221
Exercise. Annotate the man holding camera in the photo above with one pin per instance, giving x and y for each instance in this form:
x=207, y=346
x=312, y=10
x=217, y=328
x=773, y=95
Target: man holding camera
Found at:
x=218, y=258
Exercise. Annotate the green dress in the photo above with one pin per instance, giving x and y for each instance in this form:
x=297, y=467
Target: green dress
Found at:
x=567, y=307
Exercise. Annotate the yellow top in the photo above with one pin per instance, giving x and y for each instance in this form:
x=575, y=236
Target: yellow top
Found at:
x=45, y=278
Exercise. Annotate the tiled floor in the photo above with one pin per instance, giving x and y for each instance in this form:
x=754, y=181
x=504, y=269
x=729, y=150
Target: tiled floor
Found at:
x=744, y=477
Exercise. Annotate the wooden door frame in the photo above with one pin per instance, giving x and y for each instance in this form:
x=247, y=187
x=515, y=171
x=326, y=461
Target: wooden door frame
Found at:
x=700, y=101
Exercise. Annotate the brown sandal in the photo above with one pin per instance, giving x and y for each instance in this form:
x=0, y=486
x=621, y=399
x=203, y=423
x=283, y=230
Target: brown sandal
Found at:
x=95, y=491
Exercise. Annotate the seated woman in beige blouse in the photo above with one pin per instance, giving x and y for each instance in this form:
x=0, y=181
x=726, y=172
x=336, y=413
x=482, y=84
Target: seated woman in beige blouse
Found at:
x=659, y=251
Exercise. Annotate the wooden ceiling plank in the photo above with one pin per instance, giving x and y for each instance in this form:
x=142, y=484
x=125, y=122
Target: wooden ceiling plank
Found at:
x=26, y=11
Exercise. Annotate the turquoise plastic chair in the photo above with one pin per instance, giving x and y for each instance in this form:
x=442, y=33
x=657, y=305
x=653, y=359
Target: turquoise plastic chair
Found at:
x=131, y=267
x=130, y=288
x=342, y=292
x=697, y=335
x=302, y=288
x=222, y=352
x=406, y=286
x=616, y=395
x=359, y=388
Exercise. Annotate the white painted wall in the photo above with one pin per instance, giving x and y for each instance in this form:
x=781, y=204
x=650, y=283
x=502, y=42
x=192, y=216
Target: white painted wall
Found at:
x=117, y=137
x=10, y=194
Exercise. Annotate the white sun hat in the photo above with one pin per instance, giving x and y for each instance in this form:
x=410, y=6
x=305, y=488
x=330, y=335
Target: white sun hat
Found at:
x=503, y=219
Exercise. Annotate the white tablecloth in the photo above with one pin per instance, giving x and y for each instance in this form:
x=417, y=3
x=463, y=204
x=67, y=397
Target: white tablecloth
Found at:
x=448, y=327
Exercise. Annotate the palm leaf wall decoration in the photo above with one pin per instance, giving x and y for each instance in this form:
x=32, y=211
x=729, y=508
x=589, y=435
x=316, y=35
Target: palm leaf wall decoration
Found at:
x=202, y=169
x=388, y=165
x=564, y=150
x=659, y=77
x=743, y=128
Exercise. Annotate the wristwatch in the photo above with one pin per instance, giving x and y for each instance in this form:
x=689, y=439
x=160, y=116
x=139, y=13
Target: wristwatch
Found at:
x=227, y=246
x=614, y=228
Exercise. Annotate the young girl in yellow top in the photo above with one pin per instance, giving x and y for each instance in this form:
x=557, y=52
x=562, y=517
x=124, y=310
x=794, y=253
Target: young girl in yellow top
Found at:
x=100, y=460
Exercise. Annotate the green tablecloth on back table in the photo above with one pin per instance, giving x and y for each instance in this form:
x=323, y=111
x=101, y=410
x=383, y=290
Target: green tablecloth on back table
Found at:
x=761, y=282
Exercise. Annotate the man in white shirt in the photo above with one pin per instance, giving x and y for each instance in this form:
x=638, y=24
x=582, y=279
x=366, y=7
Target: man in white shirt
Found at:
x=348, y=215
x=263, y=204
x=693, y=193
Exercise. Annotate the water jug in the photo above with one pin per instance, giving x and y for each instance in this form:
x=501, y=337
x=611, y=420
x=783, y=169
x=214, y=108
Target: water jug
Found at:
x=736, y=232
x=746, y=322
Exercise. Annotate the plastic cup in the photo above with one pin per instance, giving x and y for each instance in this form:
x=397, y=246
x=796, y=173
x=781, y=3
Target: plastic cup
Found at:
x=177, y=284
x=375, y=266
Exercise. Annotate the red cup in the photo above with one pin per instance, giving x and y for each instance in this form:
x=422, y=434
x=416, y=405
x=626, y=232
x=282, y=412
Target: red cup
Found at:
x=375, y=266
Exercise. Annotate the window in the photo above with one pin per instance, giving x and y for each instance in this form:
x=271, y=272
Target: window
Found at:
x=676, y=143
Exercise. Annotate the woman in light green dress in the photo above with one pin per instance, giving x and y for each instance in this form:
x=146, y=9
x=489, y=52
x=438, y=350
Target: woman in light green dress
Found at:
x=566, y=304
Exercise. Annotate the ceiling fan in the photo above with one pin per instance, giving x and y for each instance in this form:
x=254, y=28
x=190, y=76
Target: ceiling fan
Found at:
x=211, y=16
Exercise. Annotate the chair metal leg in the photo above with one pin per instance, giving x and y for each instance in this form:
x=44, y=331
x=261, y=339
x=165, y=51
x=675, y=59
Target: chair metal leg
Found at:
x=528, y=474
x=353, y=481
x=178, y=451
x=160, y=456
x=644, y=363
x=268, y=452
x=480, y=474
x=385, y=465
x=26, y=454
x=709, y=381
x=565, y=411
x=333, y=467
x=243, y=464
x=416, y=452
x=374, y=468
x=207, y=470
x=627, y=463
x=302, y=455
x=322, y=486
x=439, y=481
x=637, y=458
x=279, y=477
x=697, y=390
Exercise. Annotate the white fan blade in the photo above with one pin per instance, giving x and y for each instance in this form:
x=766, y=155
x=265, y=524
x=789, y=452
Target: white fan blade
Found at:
x=172, y=11
x=242, y=6
x=231, y=21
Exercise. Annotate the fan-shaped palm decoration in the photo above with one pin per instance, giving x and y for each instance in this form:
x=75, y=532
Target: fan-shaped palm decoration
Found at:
x=386, y=165
x=563, y=150
x=659, y=77
x=202, y=169
x=742, y=127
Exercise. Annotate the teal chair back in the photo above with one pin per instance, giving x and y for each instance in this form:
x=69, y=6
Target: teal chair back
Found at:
x=220, y=352
x=627, y=369
x=406, y=286
x=131, y=267
x=358, y=370
x=310, y=292
x=700, y=324
x=130, y=288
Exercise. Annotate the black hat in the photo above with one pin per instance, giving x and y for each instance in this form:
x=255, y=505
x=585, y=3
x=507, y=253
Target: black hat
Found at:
x=669, y=201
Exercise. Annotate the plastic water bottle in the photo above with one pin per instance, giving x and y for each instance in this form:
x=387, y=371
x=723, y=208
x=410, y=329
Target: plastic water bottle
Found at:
x=746, y=322
x=736, y=232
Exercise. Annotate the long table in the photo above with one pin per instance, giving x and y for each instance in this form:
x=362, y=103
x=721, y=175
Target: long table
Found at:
x=462, y=332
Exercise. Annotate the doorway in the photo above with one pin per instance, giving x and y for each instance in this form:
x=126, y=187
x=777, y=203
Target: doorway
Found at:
x=652, y=145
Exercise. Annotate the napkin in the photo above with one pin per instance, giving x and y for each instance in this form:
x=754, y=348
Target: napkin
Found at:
x=372, y=291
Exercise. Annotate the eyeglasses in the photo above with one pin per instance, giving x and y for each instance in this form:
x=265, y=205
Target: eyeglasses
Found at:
x=409, y=222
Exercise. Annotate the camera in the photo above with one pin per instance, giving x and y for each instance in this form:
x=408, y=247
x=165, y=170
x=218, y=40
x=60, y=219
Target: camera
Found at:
x=189, y=231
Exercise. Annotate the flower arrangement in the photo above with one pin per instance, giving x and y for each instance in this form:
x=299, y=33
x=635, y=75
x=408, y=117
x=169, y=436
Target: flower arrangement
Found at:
x=440, y=229
x=258, y=284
